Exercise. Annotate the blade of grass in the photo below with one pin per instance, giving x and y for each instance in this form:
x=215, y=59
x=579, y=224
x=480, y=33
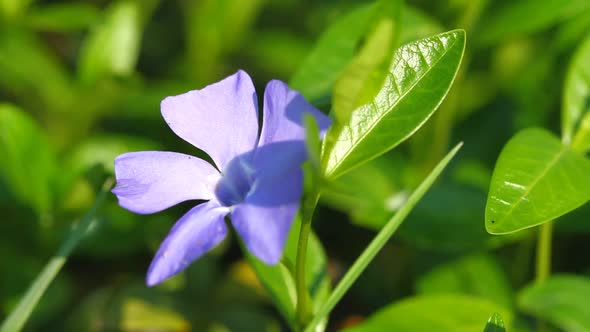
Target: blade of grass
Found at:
x=19, y=316
x=379, y=241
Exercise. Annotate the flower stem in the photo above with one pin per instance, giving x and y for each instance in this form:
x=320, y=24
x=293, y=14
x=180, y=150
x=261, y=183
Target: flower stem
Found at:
x=544, y=252
x=304, y=310
x=543, y=268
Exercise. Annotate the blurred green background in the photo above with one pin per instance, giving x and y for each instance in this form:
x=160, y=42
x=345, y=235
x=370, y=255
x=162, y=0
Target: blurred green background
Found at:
x=81, y=82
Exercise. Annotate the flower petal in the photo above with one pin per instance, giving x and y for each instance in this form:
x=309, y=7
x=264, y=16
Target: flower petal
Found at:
x=264, y=219
x=283, y=114
x=197, y=232
x=151, y=181
x=281, y=147
x=220, y=119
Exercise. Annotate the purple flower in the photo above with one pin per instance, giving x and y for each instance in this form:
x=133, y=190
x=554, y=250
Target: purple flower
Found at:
x=258, y=180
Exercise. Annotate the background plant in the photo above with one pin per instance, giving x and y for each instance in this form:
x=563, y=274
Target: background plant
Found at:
x=81, y=83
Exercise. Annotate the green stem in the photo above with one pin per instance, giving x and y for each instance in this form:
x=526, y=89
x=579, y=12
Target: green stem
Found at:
x=544, y=252
x=304, y=310
x=18, y=317
x=378, y=242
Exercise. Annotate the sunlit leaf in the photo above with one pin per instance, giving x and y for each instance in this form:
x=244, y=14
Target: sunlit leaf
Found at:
x=28, y=164
x=421, y=75
x=495, y=324
x=536, y=179
x=457, y=313
x=13, y=8
x=527, y=16
x=112, y=47
x=575, y=116
x=335, y=48
x=562, y=300
x=362, y=78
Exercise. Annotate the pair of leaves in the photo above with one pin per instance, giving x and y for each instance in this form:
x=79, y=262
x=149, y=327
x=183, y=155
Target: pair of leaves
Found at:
x=536, y=179
x=458, y=313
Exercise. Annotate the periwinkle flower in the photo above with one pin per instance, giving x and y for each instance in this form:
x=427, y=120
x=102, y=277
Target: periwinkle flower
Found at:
x=258, y=180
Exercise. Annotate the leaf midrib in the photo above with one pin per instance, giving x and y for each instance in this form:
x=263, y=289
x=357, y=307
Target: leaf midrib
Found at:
x=402, y=96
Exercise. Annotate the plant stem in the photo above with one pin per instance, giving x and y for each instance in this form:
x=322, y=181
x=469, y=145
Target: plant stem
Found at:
x=378, y=242
x=18, y=317
x=544, y=252
x=304, y=310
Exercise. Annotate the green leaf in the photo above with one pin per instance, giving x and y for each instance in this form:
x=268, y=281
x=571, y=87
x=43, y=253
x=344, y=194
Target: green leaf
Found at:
x=13, y=8
x=333, y=51
x=495, y=324
x=19, y=316
x=575, y=116
x=112, y=47
x=378, y=242
x=279, y=282
x=364, y=75
x=562, y=300
x=28, y=164
x=421, y=74
x=527, y=16
x=312, y=140
x=31, y=72
x=457, y=313
x=478, y=275
x=536, y=179
x=63, y=17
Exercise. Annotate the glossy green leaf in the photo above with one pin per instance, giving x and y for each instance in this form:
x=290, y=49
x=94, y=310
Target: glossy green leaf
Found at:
x=575, y=116
x=478, y=275
x=364, y=75
x=495, y=324
x=63, y=17
x=279, y=282
x=28, y=164
x=113, y=46
x=421, y=74
x=335, y=48
x=561, y=300
x=457, y=313
x=536, y=179
x=527, y=16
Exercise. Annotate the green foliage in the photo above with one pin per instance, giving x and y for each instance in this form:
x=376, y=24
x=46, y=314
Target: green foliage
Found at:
x=536, y=179
x=522, y=17
x=495, y=324
x=28, y=164
x=113, y=46
x=279, y=280
x=478, y=275
x=458, y=313
x=576, y=106
x=63, y=17
x=364, y=75
x=333, y=51
x=420, y=76
x=562, y=300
